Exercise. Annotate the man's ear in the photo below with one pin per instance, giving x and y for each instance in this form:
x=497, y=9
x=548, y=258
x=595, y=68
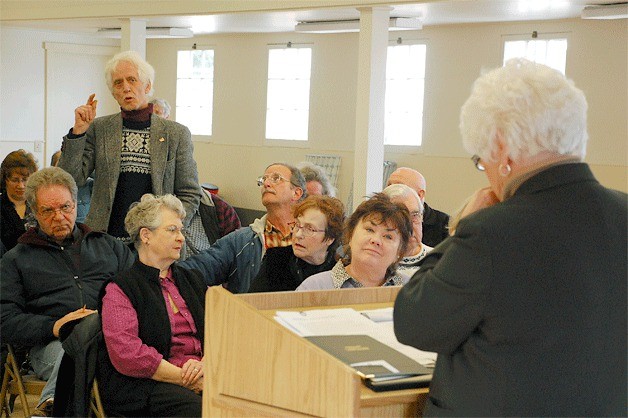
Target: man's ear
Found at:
x=421, y=194
x=298, y=192
x=148, y=87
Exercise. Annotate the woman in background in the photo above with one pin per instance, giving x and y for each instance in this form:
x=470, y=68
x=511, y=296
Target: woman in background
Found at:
x=153, y=320
x=376, y=237
x=315, y=238
x=15, y=170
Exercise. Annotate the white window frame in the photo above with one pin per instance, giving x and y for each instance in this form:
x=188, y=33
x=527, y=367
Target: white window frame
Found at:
x=197, y=137
x=297, y=143
x=398, y=148
x=537, y=37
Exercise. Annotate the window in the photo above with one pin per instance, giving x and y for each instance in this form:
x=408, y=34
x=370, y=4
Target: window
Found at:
x=195, y=90
x=405, y=88
x=551, y=52
x=288, y=94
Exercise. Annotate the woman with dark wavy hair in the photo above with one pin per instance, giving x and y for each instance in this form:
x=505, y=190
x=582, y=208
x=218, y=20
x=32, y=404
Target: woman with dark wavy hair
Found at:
x=376, y=237
x=15, y=170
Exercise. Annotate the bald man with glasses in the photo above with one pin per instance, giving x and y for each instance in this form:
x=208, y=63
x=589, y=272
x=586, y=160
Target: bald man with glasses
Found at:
x=235, y=259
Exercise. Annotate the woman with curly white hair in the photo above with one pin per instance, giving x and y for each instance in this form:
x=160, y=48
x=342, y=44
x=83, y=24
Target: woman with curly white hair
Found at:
x=525, y=303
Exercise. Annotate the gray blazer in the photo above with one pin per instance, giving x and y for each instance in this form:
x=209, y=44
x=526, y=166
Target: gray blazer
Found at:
x=173, y=169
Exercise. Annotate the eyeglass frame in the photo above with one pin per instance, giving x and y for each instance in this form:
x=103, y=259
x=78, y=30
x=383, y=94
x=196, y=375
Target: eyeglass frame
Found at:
x=308, y=231
x=478, y=164
x=18, y=181
x=262, y=179
x=65, y=209
x=416, y=216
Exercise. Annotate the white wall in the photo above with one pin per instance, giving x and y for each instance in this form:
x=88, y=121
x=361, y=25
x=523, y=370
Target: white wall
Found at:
x=237, y=152
x=23, y=87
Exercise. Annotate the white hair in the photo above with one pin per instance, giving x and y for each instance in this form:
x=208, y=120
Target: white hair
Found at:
x=401, y=190
x=145, y=71
x=533, y=107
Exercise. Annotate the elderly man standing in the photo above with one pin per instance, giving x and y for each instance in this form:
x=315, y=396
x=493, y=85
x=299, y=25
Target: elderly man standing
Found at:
x=400, y=193
x=133, y=152
x=53, y=275
x=434, y=221
x=234, y=260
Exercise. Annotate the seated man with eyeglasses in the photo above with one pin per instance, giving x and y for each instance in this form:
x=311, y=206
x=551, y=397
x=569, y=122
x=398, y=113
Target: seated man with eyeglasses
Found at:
x=416, y=251
x=53, y=275
x=234, y=260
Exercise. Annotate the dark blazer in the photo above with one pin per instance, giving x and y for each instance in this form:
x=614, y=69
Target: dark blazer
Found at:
x=435, y=226
x=526, y=304
x=172, y=165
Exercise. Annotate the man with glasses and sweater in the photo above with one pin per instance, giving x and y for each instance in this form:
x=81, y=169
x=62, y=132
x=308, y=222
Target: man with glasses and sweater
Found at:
x=234, y=260
x=53, y=275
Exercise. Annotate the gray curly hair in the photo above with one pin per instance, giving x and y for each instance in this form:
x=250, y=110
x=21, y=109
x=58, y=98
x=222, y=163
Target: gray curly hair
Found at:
x=147, y=214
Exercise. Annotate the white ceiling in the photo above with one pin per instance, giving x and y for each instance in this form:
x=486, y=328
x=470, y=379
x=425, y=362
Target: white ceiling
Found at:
x=431, y=13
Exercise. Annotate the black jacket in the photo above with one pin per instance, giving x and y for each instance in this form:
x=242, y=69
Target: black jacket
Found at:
x=435, y=226
x=526, y=304
x=80, y=341
x=41, y=281
x=281, y=270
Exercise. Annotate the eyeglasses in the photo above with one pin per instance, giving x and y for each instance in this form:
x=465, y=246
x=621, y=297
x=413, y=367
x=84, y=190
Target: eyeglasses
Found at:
x=308, y=231
x=416, y=216
x=17, y=180
x=477, y=163
x=174, y=230
x=274, y=179
x=65, y=209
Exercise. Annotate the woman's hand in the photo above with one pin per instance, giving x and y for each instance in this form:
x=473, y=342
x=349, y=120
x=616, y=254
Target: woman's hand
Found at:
x=191, y=373
x=481, y=199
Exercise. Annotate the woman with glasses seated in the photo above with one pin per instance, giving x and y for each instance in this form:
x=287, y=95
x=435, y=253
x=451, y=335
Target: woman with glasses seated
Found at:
x=315, y=237
x=376, y=238
x=15, y=170
x=152, y=319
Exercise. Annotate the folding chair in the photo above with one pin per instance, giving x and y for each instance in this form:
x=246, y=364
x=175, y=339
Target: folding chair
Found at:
x=18, y=385
x=95, y=404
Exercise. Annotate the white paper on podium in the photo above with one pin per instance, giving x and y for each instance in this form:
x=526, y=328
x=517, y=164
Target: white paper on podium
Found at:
x=375, y=323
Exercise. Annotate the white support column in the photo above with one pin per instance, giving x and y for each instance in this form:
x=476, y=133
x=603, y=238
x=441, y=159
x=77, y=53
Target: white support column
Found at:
x=133, y=36
x=371, y=91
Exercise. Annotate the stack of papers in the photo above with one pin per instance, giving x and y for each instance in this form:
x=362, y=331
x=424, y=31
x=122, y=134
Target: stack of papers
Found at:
x=376, y=323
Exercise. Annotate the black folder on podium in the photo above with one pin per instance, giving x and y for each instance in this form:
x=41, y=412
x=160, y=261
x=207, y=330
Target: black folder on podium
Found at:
x=381, y=366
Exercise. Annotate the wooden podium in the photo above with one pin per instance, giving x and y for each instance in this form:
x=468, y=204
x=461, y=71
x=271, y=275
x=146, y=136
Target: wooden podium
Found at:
x=256, y=367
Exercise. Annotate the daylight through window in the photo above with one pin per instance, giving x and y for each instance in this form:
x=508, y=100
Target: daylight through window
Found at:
x=195, y=90
x=288, y=93
x=405, y=88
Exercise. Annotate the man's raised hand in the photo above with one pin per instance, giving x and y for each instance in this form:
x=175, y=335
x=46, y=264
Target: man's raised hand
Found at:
x=84, y=115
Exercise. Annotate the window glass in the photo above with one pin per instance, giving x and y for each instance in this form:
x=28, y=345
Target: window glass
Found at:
x=195, y=90
x=288, y=93
x=405, y=82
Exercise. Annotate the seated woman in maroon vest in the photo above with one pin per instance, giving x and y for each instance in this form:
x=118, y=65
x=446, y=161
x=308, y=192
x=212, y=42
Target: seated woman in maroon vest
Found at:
x=152, y=318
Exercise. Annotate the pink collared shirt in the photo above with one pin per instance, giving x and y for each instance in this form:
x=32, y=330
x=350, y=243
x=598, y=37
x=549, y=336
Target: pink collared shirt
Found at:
x=128, y=354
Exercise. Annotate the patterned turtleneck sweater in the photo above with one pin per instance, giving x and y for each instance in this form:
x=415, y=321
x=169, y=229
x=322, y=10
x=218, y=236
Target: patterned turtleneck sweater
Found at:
x=134, y=180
